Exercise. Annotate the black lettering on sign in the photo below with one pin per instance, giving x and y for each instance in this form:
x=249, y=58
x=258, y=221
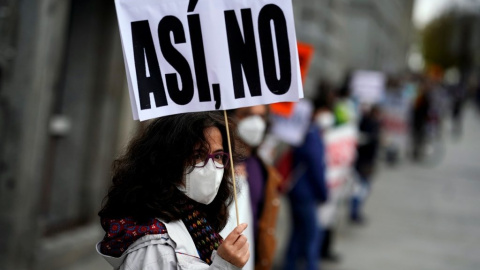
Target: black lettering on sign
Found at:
x=243, y=53
x=217, y=95
x=191, y=5
x=269, y=13
x=198, y=52
x=167, y=25
x=143, y=48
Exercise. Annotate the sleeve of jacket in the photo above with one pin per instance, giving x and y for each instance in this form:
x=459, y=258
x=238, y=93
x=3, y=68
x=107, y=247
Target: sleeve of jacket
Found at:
x=163, y=257
x=315, y=159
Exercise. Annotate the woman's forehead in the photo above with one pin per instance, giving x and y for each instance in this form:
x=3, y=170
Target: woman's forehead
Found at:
x=213, y=140
x=213, y=136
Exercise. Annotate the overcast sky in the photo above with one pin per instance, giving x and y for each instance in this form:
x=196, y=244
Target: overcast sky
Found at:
x=425, y=10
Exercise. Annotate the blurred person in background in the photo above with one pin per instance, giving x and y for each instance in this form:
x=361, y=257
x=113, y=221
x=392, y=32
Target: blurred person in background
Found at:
x=458, y=95
x=419, y=118
x=477, y=94
x=325, y=120
x=169, y=199
x=263, y=182
x=344, y=108
x=395, y=112
x=308, y=191
x=368, y=143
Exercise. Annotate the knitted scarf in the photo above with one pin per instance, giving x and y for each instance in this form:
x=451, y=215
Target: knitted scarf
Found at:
x=121, y=233
x=204, y=236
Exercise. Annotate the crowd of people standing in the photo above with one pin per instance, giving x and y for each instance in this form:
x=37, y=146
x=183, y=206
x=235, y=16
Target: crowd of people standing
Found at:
x=170, y=203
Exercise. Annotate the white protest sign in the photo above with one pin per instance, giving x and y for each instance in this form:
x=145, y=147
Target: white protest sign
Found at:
x=395, y=116
x=368, y=86
x=341, y=148
x=292, y=130
x=201, y=55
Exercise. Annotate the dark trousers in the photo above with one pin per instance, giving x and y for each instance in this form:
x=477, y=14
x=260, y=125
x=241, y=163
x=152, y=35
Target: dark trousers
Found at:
x=360, y=194
x=305, y=241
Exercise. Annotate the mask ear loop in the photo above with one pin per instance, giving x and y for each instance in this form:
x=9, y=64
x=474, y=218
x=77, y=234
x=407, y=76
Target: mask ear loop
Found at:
x=231, y=166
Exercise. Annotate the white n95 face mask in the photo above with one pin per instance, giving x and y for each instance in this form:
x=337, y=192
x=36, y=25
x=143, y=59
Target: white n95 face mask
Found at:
x=251, y=130
x=202, y=184
x=325, y=120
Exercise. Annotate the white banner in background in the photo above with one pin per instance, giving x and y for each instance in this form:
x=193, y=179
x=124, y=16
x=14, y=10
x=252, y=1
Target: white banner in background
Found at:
x=368, y=86
x=201, y=55
x=341, y=150
x=292, y=130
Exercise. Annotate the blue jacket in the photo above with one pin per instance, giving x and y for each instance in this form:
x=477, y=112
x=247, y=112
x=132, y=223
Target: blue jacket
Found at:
x=309, y=160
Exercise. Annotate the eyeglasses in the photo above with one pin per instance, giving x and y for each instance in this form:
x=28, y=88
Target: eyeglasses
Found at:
x=220, y=159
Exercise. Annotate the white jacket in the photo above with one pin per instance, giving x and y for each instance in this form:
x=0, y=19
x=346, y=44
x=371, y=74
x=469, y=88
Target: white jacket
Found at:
x=172, y=250
x=246, y=216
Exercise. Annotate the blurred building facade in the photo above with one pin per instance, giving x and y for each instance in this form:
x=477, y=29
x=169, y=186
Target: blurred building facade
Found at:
x=65, y=111
x=354, y=34
x=322, y=23
x=379, y=34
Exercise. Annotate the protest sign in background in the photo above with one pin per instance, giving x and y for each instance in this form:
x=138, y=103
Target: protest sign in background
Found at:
x=341, y=150
x=186, y=56
x=292, y=130
x=368, y=86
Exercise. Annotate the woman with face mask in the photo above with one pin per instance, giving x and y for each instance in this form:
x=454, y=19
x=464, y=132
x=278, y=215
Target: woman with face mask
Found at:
x=263, y=183
x=169, y=199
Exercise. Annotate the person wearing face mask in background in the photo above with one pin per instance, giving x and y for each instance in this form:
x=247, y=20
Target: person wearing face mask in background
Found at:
x=263, y=182
x=370, y=127
x=309, y=191
x=169, y=199
x=325, y=119
x=323, y=103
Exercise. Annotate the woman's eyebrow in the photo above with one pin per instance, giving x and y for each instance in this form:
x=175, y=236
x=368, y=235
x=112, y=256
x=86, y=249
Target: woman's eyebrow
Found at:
x=218, y=150
x=198, y=151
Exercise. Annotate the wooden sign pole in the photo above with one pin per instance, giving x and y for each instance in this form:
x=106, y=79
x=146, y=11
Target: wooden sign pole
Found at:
x=231, y=166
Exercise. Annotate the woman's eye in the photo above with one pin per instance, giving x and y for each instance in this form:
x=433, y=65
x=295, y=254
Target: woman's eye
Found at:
x=219, y=157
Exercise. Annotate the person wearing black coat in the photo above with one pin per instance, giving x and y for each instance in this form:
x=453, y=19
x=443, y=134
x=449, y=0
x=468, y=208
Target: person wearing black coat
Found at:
x=369, y=140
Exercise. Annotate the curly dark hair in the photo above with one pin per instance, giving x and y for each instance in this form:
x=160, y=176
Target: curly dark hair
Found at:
x=145, y=178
